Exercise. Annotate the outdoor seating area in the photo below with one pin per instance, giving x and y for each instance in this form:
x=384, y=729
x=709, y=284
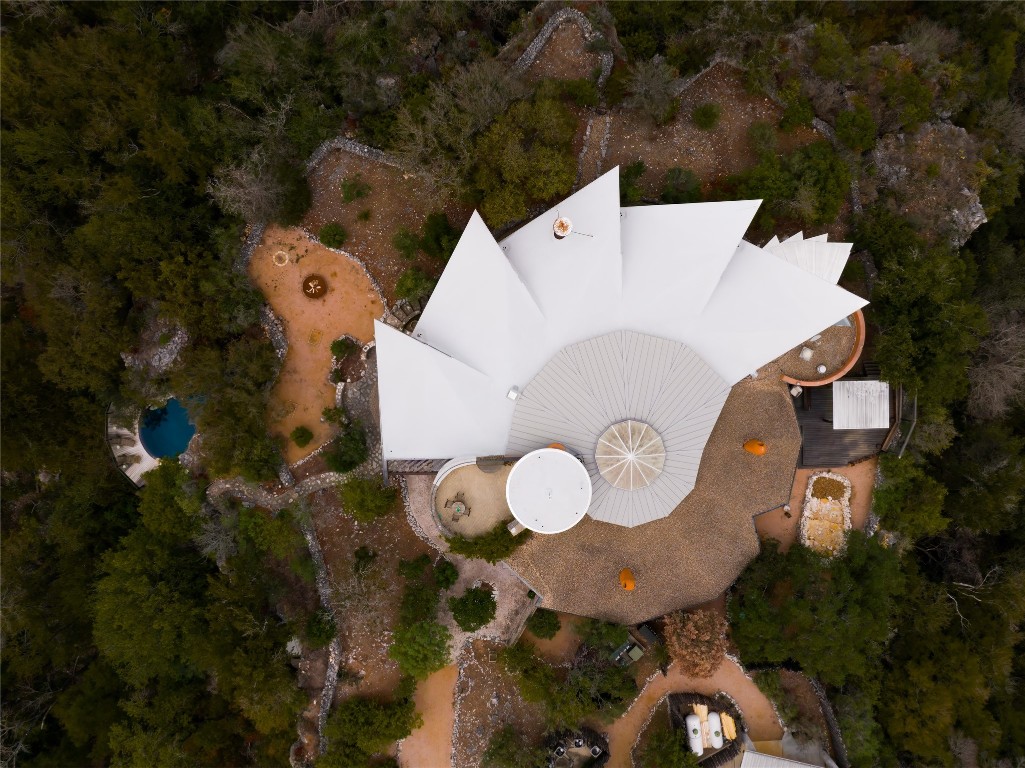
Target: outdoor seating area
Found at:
x=825, y=356
x=470, y=502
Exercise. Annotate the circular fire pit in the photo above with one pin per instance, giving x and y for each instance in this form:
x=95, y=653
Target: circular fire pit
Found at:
x=280, y=259
x=314, y=286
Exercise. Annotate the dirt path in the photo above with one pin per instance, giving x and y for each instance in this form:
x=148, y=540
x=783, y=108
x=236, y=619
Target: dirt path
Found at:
x=431, y=744
x=762, y=723
x=349, y=307
x=777, y=525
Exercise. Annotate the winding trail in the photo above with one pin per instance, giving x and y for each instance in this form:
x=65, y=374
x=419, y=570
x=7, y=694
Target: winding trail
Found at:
x=261, y=497
x=761, y=719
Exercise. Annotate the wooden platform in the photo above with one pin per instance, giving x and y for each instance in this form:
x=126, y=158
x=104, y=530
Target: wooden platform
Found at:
x=823, y=446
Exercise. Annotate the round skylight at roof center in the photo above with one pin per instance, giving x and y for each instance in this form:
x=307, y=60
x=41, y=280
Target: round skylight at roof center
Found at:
x=630, y=455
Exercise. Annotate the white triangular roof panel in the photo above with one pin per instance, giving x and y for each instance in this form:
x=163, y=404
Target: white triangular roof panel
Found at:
x=676, y=254
x=481, y=312
x=432, y=405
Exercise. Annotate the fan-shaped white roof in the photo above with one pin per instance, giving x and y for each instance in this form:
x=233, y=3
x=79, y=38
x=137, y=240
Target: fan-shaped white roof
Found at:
x=501, y=312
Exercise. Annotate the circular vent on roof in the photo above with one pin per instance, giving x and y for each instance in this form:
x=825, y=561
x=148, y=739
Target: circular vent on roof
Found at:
x=630, y=455
x=563, y=226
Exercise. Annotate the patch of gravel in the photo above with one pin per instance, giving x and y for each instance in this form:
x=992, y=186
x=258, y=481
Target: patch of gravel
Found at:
x=832, y=351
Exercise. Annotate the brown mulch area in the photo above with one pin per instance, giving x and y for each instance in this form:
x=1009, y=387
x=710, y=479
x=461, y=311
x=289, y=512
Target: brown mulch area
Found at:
x=565, y=56
x=696, y=552
x=369, y=605
x=488, y=700
x=712, y=155
x=832, y=351
x=396, y=200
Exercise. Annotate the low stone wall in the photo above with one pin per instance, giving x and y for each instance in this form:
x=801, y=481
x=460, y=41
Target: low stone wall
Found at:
x=554, y=22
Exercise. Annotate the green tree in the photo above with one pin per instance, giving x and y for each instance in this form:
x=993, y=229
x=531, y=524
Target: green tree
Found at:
x=544, y=623
x=301, y=436
x=421, y=648
x=349, y=449
x=320, y=628
x=681, y=186
x=856, y=128
x=497, y=544
x=507, y=748
x=909, y=501
x=360, y=727
x=475, y=608
x=651, y=89
x=333, y=235
x=413, y=284
x=630, y=192
x=832, y=617
x=367, y=500
x=668, y=748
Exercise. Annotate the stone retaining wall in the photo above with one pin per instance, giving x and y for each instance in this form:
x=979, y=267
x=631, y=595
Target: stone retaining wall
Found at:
x=554, y=22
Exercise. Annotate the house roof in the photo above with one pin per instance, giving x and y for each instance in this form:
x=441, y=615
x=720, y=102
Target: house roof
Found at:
x=501, y=311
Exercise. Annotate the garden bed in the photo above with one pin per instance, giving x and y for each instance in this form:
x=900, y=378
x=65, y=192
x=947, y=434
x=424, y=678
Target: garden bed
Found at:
x=826, y=515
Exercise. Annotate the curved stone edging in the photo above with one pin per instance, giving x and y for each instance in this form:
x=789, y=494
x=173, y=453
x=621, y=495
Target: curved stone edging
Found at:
x=537, y=45
x=859, y=345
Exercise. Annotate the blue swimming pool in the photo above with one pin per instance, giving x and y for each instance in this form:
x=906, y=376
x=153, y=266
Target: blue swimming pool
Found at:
x=166, y=431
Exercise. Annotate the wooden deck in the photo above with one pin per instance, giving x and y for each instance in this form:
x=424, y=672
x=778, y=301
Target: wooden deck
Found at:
x=823, y=446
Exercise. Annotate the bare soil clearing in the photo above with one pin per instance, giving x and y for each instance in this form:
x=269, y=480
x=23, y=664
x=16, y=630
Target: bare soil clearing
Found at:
x=712, y=155
x=565, y=56
x=431, y=743
x=776, y=525
x=348, y=306
x=396, y=200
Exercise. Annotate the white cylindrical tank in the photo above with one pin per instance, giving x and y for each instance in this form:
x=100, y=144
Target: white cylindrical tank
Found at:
x=715, y=730
x=694, y=734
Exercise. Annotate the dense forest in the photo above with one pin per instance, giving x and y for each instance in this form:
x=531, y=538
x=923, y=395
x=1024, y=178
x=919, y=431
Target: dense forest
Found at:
x=142, y=141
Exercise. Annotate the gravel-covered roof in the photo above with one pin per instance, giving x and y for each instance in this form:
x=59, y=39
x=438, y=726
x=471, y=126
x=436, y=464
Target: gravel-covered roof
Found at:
x=694, y=554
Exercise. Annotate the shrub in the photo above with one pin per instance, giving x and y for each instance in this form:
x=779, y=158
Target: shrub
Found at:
x=320, y=628
x=367, y=500
x=706, y=116
x=362, y=559
x=421, y=649
x=414, y=283
x=474, y=609
x=509, y=749
x=354, y=188
x=668, y=748
x=497, y=544
x=797, y=108
x=341, y=348
x=762, y=137
x=544, y=623
x=364, y=215
x=349, y=449
x=406, y=243
x=681, y=186
x=629, y=190
x=696, y=640
x=336, y=416
x=856, y=128
x=360, y=727
x=602, y=635
x=445, y=574
x=420, y=594
x=583, y=92
x=301, y=436
x=651, y=89
x=333, y=235
x=440, y=237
